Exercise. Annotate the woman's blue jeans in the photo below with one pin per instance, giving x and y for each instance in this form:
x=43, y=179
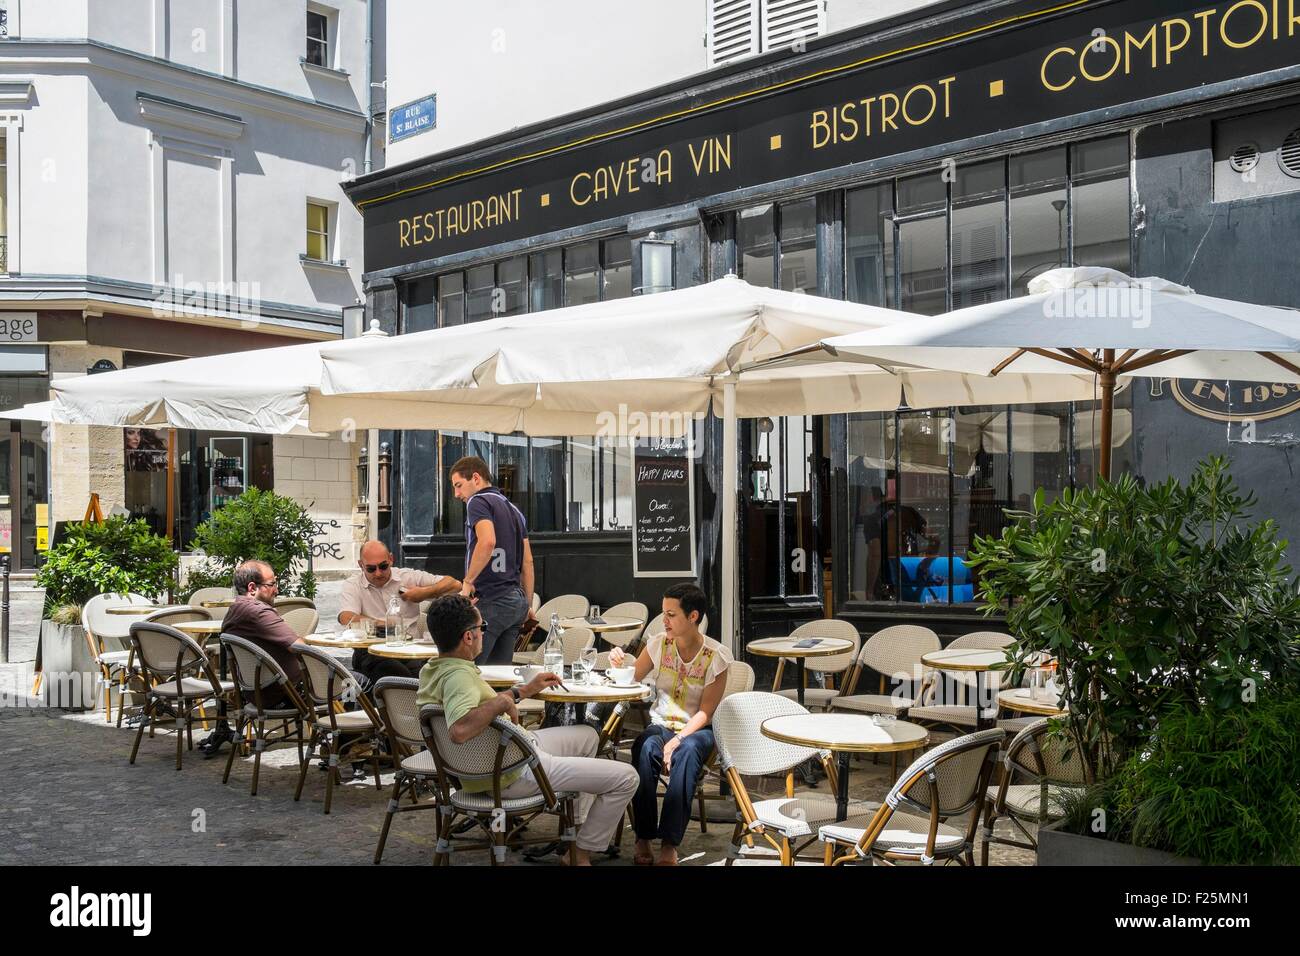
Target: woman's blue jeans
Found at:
x=683, y=777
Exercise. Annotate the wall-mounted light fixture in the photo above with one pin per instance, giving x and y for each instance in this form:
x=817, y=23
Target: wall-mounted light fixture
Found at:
x=656, y=265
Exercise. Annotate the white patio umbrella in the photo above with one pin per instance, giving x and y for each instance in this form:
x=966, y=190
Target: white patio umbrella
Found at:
x=640, y=366
x=1091, y=320
x=34, y=412
x=262, y=390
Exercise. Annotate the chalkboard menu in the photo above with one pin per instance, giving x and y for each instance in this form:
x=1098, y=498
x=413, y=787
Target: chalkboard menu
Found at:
x=663, y=504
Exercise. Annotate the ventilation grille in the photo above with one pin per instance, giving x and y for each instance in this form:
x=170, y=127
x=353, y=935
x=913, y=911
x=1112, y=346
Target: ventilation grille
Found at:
x=1288, y=155
x=1244, y=158
x=787, y=22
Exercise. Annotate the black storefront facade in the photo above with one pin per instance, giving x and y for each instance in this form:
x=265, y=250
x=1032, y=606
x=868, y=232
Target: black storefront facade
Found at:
x=929, y=162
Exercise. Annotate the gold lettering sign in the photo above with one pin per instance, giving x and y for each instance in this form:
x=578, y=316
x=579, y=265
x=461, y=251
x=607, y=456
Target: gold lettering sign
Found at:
x=1236, y=27
x=459, y=219
x=707, y=157
x=880, y=114
x=1223, y=401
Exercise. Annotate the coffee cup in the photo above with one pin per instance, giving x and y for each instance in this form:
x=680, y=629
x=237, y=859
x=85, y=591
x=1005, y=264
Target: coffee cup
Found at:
x=621, y=675
x=527, y=672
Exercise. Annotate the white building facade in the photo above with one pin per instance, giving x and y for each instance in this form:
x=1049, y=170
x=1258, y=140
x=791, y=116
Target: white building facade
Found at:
x=171, y=187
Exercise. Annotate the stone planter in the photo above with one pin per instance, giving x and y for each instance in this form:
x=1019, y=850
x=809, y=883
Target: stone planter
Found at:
x=1056, y=848
x=71, y=674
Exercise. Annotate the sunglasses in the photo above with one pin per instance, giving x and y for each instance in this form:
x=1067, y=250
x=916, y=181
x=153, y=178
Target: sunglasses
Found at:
x=482, y=625
x=372, y=568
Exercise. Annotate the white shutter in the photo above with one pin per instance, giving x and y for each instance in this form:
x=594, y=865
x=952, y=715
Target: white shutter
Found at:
x=785, y=22
x=733, y=30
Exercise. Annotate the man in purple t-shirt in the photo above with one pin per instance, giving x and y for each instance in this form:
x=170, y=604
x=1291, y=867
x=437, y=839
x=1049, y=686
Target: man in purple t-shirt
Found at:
x=498, y=559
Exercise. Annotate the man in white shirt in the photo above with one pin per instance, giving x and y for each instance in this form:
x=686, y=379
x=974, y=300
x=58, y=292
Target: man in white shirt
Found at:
x=366, y=597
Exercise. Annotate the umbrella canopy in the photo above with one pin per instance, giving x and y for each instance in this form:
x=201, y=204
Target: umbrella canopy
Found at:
x=1092, y=321
x=628, y=365
x=262, y=390
x=35, y=412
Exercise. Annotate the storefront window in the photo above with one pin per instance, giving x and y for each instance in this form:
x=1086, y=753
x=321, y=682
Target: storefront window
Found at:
x=868, y=230
x=979, y=234
x=1099, y=199
x=755, y=236
x=24, y=491
x=1039, y=200
x=581, y=264
x=799, y=246
x=559, y=484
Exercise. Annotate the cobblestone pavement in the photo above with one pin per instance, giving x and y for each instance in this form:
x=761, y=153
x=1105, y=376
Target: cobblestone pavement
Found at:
x=68, y=796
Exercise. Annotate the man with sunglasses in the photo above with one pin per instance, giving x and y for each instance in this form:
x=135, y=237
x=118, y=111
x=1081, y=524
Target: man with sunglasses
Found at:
x=366, y=597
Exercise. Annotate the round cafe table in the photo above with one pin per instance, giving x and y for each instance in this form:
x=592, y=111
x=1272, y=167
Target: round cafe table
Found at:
x=845, y=734
x=598, y=693
x=199, y=628
x=410, y=651
x=139, y=610
x=341, y=642
x=784, y=647
x=203, y=630
x=965, y=662
x=609, y=625
x=1018, y=699
x=499, y=676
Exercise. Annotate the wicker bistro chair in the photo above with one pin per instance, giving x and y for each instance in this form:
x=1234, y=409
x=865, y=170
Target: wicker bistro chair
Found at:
x=303, y=620
x=628, y=640
x=283, y=605
x=656, y=626
x=566, y=606
x=946, y=782
x=959, y=717
x=395, y=698
x=203, y=596
x=893, y=653
x=259, y=680
x=1044, y=767
x=329, y=686
x=109, y=639
x=179, y=679
x=744, y=751
x=499, y=749
x=819, y=698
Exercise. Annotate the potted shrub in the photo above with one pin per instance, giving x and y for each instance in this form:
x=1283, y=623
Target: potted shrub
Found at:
x=1175, y=626
x=262, y=525
x=118, y=555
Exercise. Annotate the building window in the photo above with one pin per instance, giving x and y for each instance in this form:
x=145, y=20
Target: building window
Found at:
x=318, y=41
x=778, y=249
x=561, y=484
x=318, y=231
x=921, y=485
x=741, y=28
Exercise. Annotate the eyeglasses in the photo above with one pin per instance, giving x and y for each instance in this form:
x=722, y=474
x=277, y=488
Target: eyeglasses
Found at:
x=480, y=626
x=273, y=583
x=372, y=568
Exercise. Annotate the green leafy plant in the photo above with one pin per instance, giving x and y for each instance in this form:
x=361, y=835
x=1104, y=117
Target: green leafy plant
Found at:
x=262, y=525
x=1219, y=785
x=1154, y=601
x=119, y=555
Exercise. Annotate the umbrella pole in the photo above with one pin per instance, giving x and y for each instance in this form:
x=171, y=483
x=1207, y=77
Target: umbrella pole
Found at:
x=1107, y=378
x=730, y=490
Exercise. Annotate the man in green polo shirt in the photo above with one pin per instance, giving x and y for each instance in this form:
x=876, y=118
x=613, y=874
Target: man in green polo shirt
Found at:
x=567, y=754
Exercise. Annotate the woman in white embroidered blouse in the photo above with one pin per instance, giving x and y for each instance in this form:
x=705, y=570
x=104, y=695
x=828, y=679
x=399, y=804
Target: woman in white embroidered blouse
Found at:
x=688, y=672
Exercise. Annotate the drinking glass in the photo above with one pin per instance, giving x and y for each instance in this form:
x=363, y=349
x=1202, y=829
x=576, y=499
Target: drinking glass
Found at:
x=587, y=661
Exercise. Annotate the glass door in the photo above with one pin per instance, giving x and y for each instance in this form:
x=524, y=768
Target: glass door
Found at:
x=921, y=263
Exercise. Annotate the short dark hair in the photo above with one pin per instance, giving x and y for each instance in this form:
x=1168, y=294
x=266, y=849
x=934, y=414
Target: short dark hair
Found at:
x=250, y=572
x=690, y=597
x=472, y=465
x=449, y=617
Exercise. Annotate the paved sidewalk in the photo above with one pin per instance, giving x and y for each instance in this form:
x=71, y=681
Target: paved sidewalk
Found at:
x=68, y=796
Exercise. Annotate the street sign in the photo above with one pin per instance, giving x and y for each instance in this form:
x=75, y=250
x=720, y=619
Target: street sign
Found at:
x=413, y=118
